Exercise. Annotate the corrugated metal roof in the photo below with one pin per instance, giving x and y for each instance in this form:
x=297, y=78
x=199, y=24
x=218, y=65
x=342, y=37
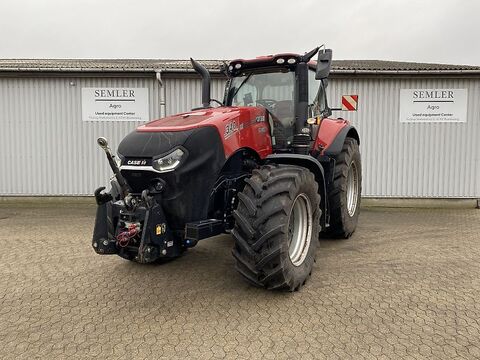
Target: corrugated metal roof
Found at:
x=150, y=65
x=396, y=65
x=142, y=65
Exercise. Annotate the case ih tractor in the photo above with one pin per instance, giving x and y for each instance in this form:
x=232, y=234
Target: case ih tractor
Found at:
x=268, y=166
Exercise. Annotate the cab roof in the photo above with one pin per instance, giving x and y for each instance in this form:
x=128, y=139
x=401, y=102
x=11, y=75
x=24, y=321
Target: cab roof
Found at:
x=288, y=60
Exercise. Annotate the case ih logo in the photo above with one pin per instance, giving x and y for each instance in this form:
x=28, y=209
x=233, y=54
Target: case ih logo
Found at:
x=349, y=102
x=136, y=162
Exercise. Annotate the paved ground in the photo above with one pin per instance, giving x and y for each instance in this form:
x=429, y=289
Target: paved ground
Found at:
x=407, y=285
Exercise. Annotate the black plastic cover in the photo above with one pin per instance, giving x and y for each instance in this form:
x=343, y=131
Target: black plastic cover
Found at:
x=186, y=195
x=150, y=144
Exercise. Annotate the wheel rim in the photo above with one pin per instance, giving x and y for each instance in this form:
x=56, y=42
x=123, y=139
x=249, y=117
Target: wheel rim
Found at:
x=352, y=189
x=299, y=229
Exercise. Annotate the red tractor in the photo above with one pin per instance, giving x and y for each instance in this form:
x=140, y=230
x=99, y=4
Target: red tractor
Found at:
x=268, y=166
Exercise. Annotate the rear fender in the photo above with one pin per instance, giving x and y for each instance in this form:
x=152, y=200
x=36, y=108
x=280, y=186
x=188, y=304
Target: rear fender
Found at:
x=331, y=136
x=336, y=146
x=315, y=167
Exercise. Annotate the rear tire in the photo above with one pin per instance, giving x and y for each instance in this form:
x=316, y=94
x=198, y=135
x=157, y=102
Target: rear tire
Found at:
x=344, y=193
x=277, y=226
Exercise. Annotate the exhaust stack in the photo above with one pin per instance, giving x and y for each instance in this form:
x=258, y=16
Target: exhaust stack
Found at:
x=203, y=72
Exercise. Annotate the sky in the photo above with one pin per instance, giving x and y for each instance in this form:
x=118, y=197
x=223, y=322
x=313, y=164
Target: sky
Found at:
x=436, y=31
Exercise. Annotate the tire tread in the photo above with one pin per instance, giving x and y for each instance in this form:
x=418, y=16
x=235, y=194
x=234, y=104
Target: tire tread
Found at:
x=261, y=220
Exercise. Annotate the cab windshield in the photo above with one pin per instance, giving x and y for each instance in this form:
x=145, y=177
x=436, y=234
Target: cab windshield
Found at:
x=272, y=90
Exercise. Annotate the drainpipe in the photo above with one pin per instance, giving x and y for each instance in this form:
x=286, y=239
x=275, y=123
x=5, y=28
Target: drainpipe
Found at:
x=158, y=74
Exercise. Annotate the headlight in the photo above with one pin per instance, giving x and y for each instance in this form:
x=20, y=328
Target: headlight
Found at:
x=168, y=162
x=119, y=159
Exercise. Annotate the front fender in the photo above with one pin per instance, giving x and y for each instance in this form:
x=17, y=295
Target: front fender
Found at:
x=314, y=166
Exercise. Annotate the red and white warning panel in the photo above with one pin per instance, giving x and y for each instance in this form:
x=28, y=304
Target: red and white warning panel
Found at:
x=350, y=102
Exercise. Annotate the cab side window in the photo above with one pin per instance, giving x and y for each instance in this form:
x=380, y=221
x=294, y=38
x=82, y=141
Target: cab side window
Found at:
x=316, y=94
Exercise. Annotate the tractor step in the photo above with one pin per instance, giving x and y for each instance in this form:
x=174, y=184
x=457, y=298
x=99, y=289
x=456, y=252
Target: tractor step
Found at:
x=202, y=229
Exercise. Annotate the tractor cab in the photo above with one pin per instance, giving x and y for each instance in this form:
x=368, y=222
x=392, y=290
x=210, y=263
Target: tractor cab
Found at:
x=286, y=85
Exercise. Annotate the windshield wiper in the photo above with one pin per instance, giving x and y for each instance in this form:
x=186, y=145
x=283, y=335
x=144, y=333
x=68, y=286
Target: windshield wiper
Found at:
x=241, y=84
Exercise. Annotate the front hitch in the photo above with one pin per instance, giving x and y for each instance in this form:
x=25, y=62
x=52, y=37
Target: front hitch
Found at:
x=103, y=240
x=132, y=226
x=155, y=237
x=137, y=233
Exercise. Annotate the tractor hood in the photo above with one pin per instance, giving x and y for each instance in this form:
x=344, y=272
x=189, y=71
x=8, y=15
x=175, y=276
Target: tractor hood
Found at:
x=222, y=123
x=160, y=136
x=194, y=119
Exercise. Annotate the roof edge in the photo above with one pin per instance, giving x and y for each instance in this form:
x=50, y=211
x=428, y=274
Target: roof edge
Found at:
x=216, y=70
x=405, y=72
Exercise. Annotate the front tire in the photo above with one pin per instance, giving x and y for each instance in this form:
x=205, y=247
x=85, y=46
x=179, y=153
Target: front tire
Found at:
x=277, y=226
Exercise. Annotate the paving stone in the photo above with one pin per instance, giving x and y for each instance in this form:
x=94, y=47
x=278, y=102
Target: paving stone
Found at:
x=405, y=286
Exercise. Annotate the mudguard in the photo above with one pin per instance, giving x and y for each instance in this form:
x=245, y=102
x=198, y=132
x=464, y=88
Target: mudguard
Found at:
x=336, y=146
x=315, y=167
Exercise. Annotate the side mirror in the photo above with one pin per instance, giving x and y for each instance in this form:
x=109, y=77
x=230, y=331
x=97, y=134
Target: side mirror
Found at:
x=324, y=63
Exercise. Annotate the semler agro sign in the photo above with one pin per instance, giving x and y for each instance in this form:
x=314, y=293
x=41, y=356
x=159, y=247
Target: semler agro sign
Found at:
x=433, y=105
x=115, y=104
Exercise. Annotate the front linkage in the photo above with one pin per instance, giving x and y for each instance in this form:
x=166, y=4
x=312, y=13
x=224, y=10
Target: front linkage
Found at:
x=134, y=227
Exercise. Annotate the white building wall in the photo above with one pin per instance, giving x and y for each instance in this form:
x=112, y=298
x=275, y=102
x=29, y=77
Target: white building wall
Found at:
x=185, y=93
x=413, y=159
x=46, y=149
